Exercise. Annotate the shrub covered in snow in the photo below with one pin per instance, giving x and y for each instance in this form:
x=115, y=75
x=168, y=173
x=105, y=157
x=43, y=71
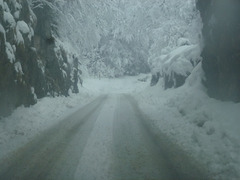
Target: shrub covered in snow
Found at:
x=174, y=37
x=178, y=64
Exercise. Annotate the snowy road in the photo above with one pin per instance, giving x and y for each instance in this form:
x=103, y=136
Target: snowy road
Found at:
x=106, y=139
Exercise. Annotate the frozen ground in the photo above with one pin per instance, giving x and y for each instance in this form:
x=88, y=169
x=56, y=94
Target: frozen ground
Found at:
x=206, y=128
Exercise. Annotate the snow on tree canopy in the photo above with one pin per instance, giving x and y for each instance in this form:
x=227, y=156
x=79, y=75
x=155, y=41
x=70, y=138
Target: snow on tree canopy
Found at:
x=10, y=52
x=1, y=3
x=19, y=37
x=17, y=14
x=18, y=7
x=8, y=18
x=18, y=68
x=2, y=30
x=125, y=35
x=23, y=27
x=5, y=6
x=33, y=93
x=31, y=33
x=175, y=23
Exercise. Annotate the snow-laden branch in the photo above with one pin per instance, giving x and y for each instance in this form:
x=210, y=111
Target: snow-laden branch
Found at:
x=41, y=3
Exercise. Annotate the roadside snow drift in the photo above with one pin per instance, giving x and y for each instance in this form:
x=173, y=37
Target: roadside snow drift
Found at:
x=206, y=128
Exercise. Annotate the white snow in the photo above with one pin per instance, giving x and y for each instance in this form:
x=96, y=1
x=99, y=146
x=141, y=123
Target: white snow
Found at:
x=2, y=30
x=206, y=128
x=116, y=86
x=8, y=18
x=33, y=92
x=183, y=42
x=1, y=3
x=14, y=48
x=19, y=37
x=17, y=7
x=25, y=123
x=31, y=33
x=180, y=60
x=20, y=127
x=5, y=6
x=18, y=68
x=10, y=52
x=22, y=27
x=96, y=159
x=17, y=14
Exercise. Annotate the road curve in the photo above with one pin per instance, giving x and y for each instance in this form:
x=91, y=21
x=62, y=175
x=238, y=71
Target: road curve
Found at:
x=107, y=139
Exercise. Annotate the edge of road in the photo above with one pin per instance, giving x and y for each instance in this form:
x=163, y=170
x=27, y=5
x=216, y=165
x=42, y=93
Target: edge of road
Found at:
x=50, y=131
x=173, y=152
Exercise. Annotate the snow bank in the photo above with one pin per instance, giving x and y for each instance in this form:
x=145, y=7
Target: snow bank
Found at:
x=206, y=128
x=25, y=123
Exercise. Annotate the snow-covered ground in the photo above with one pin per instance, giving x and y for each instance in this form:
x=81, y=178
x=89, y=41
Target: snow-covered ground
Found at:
x=130, y=84
x=206, y=128
x=25, y=123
